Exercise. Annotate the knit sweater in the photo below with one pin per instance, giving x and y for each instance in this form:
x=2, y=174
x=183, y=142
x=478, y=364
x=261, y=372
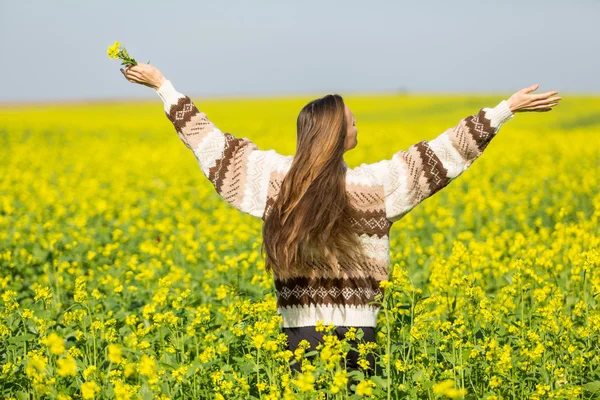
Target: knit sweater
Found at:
x=250, y=179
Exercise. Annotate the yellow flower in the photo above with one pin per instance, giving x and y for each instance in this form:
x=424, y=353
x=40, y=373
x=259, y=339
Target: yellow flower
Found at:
x=131, y=319
x=221, y=292
x=339, y=381
x=36, y=365
x=114, y=353
x=258, y=340
x=129, y=370
x=113, y=51
x=55, y=343
x=365, y=388
x=305, y=381
x=144, y=344
x=446, y=388
x=495, y=381
x=180, y=373
x=89, y=371
x=385, y=284
x=89, y=389
x=320, y=326
x=147, y=366
x=42, y=293
x=350, y=334
x=67, y=366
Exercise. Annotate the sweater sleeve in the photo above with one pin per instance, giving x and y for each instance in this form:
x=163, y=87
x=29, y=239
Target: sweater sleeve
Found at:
x=413, y=175
x=237, y=169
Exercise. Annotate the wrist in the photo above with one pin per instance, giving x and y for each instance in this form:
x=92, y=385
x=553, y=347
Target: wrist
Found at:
x=159, y=82
x=499, y=114
x=510, y=105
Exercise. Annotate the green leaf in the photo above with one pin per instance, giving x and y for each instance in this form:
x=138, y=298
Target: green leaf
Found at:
x=21, y=338
x=379, y=381
x=164, y=364
x=593, y=387
x=428, y=384
x=192, y=369
x=21, y=395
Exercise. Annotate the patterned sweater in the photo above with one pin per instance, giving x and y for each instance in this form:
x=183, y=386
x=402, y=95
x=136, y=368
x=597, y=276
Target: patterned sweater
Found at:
x=249, y=179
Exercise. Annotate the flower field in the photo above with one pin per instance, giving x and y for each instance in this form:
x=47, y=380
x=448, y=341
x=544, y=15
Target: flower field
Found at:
x=124, y=275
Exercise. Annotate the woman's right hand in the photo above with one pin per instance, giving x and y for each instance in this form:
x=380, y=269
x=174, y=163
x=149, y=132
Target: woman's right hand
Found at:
x=144, y=74
x=523, y=101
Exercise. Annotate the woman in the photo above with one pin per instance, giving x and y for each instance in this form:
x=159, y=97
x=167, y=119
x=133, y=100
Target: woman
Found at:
x=326, y=226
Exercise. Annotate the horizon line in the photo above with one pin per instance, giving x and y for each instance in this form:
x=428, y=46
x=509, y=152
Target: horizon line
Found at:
x=139, y=99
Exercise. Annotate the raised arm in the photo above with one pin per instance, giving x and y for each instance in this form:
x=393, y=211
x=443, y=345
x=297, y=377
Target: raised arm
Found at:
x=426, y=167
x=413, y=175
x=238, y=170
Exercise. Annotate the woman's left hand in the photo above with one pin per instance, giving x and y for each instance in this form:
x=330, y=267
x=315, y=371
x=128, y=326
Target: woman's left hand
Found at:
x=144, y=74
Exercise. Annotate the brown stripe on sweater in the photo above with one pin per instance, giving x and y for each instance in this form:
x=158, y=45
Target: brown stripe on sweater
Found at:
x=314, y=296
x=198, y=127
x=464, y=142
x=181, y=135
x=326, y=282
x=191, y=124
x=480, y=129
x=218, y=172
x=320, y=295
x=436, y=175
x=326, y=266
x=366, y=197
x=274, y=186
x=182, y=112
x=235, y=178
x=272, y=192
x=413, y=164
x=304, y=291
x=373, y=223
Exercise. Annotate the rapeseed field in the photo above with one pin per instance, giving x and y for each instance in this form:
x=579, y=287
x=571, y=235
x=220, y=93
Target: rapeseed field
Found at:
x=124, y=275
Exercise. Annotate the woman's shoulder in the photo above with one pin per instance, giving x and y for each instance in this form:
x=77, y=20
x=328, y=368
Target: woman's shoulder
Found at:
x=280, y=163
x=363, y=174
x=366, y=174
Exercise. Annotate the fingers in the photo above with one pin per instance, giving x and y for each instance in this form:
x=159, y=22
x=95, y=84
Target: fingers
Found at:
x=133, y=68
x=530, y=88
x=139, y=68
x=124, y=74
x=541, y=102
x=542, y=108
x=540, y=95
x=132, y=76
x=141, y=73
x=544, y=95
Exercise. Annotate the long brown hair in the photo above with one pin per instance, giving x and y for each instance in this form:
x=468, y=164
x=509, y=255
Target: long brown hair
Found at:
x=311, y=218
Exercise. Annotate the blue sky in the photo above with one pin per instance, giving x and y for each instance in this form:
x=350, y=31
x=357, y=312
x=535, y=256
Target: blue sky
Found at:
x=56, y=50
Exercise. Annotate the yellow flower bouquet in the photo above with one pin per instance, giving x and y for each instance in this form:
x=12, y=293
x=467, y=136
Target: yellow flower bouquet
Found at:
x=117, y=51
